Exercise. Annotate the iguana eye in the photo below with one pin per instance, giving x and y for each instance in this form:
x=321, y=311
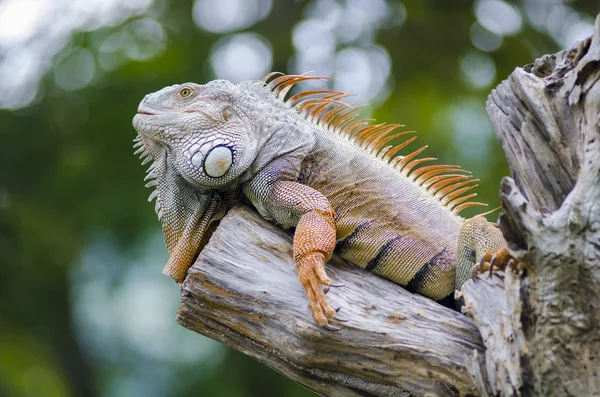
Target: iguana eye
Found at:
x=185, y=92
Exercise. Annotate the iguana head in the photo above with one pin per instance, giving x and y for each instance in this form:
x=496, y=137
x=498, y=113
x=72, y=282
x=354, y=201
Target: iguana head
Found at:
x=200, y=129
x=200, y=143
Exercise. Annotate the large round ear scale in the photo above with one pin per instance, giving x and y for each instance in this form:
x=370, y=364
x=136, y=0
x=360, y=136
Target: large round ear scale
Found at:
x=218, y=161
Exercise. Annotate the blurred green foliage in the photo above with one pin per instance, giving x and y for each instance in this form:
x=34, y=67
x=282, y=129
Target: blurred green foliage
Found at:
x=67, y=176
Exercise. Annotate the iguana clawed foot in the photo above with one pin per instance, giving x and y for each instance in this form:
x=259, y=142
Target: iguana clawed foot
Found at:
x=311, y=271
x=500, y=260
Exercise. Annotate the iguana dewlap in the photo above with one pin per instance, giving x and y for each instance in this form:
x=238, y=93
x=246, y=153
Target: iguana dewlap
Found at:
x=307, y=162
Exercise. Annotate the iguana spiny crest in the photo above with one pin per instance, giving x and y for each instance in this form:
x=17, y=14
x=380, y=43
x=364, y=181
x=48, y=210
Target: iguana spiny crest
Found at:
x=326, y=109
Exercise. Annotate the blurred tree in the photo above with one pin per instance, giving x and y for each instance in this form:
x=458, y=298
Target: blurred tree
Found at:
x=73, y=217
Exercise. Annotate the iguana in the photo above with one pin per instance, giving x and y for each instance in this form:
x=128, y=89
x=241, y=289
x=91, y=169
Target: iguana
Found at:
x=307, y=162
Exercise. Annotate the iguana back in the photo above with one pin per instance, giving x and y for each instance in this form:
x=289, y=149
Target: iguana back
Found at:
x=385, y=222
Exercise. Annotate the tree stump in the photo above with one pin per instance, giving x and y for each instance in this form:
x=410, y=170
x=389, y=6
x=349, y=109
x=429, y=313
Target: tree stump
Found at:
x=546, y=339
x=535, y=330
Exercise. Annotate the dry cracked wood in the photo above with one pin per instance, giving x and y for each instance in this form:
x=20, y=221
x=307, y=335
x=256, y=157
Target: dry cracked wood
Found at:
x=243, y=291
x=545, y=337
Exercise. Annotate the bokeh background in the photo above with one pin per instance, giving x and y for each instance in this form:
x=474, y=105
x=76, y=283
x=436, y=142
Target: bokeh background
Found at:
x=84, y=309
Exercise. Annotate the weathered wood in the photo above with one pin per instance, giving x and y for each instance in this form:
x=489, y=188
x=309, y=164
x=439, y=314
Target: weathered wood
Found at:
x=244, y=291
x=487, y=302
x=546, y=340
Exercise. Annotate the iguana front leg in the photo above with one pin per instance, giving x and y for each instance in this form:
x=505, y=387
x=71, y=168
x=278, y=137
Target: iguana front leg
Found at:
x=292, y=203
x=314, y=242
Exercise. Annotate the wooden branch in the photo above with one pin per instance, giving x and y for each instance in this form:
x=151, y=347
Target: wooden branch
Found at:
x=244, y=291
x=544, y=340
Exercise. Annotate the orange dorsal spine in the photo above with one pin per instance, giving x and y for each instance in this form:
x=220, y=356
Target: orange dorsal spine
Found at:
x=326, y=109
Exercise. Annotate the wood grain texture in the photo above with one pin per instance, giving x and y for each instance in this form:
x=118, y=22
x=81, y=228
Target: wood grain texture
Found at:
x=243, y=291
x=489, y=303
x=544, y=339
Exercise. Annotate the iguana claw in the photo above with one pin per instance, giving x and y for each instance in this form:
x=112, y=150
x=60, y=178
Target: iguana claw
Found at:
x=330, y=327
x=327, y=287
x=500, y=260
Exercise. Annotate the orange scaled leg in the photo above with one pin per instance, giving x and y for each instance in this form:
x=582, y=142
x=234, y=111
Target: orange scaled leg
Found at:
x=314, y=242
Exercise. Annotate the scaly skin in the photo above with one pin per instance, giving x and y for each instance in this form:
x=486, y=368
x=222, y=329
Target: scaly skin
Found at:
x=304, y=163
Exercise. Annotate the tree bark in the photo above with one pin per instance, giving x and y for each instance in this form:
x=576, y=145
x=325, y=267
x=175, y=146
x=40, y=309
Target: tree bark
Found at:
x=535, y=329
x=244, y=291
x=546, y=337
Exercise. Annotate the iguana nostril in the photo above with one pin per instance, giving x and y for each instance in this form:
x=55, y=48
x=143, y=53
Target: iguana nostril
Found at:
x=218, y=161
